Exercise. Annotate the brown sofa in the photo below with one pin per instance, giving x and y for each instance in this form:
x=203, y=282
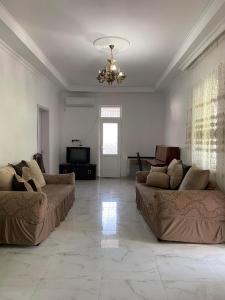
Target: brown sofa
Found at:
x=27, y=218
x=185, y=216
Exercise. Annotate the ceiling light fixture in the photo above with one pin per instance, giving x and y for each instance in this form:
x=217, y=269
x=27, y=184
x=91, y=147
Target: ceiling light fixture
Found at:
x=111, y=73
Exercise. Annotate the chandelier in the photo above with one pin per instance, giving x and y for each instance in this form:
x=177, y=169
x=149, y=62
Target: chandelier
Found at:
x=111, y=72
x=113, y=44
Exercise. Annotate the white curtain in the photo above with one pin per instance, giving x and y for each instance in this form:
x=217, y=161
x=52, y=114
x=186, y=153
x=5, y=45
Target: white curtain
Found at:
x=205, y=137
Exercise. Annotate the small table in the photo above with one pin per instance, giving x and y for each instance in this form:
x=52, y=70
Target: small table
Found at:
x=132, y=164
x=156, y=164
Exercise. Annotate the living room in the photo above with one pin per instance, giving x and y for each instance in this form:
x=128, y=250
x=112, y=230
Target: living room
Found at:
x=105, y=212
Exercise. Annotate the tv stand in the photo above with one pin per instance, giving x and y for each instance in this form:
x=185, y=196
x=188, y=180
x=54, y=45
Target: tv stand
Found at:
x=82, y=171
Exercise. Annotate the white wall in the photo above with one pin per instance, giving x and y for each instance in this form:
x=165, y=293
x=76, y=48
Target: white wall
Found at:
x=142, y=125
x=177, y=97
x=180, y=92
x=21, y=89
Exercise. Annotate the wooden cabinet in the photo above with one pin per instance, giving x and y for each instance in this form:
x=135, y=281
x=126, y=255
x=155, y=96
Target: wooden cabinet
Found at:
x=82, y=171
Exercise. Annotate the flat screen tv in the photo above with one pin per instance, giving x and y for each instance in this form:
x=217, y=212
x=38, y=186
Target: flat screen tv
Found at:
x=78, y=155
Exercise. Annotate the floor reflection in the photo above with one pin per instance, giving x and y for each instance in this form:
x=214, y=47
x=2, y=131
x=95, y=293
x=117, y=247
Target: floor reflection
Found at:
x=109, y=218
x=109, y=225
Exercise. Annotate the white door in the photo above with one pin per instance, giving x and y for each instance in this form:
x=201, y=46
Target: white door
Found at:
x=43, y=135
x=110, y=147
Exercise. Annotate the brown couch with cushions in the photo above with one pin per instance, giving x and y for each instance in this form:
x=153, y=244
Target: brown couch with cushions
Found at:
x=195, y=216
x=27, y=218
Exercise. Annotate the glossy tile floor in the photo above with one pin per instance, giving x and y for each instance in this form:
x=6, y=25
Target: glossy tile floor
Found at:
x=104, y=250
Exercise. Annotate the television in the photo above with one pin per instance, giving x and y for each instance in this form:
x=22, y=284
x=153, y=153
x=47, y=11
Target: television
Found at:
x=78, y=155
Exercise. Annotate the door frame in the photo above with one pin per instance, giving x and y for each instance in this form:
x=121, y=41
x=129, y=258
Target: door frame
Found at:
x=43, y=109
x=110, y=120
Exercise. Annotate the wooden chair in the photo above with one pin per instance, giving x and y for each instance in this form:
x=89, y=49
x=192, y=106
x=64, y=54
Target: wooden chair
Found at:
x=164, y=155
x=39, y=159
x=139, y=162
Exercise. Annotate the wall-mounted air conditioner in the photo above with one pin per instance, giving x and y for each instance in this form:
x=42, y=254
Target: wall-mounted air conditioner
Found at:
x=79, y=102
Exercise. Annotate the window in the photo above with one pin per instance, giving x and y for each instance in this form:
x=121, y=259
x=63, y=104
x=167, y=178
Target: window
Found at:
x=110, y=139
x=110, y=112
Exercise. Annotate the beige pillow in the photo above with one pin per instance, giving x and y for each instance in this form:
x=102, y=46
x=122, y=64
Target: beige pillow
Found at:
x=6, y=177
x=172, y=165
x=27, y=175
x=175, y=172
x=158, y=179
x=158, y=169
x=195, y=179
x=176, y=176
x=36, y=172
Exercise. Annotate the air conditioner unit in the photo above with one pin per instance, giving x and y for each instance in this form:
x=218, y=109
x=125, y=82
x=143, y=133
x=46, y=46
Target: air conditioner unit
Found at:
x=79, y=102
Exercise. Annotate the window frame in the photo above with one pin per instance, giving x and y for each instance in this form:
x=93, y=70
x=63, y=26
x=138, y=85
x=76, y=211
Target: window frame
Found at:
x=113, y=106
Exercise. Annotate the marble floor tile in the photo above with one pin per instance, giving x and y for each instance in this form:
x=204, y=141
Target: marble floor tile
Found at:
x=132, y=290
x=105, y=251
x=178, y=268
x=81, y=287
x=194, y=290
x=16, y=293
x=63, y=294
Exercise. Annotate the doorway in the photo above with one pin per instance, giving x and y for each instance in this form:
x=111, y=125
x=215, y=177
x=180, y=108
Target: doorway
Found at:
x=110, y=137
x=43, y=135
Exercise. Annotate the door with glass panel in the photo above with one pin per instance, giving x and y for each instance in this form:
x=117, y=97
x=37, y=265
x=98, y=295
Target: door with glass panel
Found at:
x=110, y=141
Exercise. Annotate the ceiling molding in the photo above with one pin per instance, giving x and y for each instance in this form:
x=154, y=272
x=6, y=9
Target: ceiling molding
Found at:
x=112, y=89
x=212, y=10
x=16, y=29
x=211, y=37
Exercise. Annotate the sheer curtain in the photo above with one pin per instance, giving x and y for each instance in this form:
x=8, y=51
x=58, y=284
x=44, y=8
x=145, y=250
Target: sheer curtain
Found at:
x=205, y=136
x=205, y=130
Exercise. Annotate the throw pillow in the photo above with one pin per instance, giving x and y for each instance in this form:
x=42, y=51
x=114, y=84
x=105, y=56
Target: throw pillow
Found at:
x=20, y=184
x=158, y=179
x=172, y=165
x=6, y=177
x=19, y=167
x=176, y=176
x=175, y=172
x=27, y=175
x=36, y=172
x=195, y=179
x=158, y=169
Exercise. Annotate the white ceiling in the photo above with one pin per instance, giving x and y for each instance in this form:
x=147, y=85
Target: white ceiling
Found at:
x=65, y=30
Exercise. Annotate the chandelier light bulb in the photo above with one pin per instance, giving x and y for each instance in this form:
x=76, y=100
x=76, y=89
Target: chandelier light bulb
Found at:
x=113, y=68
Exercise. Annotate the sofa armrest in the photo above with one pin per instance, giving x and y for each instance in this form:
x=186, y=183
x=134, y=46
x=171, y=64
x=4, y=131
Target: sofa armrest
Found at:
x=207, y=204
x=141, y=176
x=60, y=178
x=30, y=206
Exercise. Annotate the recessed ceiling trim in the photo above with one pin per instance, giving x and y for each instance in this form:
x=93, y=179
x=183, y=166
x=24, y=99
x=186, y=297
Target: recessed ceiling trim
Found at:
x=211, y=11
x=26, y=40
x=112, y=89
x=217, y=31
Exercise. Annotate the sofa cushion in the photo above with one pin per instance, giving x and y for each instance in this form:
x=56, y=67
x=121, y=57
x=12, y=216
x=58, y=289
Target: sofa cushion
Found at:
x=176, y=176
x=195, y=179
x=6, y=177
x=172, y=165
x=158, y=169
x=20, y=184
x=36, y=172
x=56, y=193
x=28, y=176
x=175, y=172
x=158, y=179
x=19, y=167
